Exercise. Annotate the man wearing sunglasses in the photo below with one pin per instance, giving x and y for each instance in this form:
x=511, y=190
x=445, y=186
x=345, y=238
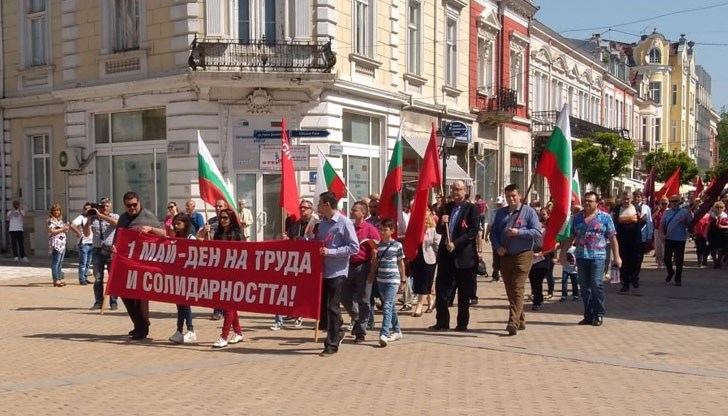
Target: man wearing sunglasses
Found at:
x=674, y=225
x=101, y=227
x=145, y=221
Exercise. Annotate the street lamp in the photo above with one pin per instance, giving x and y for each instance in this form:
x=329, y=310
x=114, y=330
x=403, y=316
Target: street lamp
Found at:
x=447, y=143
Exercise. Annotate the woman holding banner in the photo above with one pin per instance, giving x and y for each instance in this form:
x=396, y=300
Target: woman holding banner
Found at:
x=183, y=228
x=228, y=229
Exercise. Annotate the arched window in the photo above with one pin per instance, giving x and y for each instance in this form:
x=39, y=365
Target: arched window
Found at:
x=655, y=56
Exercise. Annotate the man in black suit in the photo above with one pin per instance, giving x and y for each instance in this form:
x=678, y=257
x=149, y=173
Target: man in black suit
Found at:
x=457, y=257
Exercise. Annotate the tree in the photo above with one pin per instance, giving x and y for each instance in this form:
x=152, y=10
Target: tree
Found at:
x=603, y=157
x=722, y=139
x=665, y=164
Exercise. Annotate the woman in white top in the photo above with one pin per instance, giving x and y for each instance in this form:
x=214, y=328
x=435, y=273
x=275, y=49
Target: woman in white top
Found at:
x=423, y=267
x=57, y=230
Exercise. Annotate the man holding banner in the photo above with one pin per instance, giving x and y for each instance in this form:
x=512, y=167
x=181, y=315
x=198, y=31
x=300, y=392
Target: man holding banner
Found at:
x=337, y=233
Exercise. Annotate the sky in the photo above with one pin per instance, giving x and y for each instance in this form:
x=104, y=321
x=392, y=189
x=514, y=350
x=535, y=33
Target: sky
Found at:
x=702, y=21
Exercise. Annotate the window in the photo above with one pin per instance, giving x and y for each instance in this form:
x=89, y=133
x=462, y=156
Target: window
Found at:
x=645, y=138
x=451, y=52
x=583, y=110
x=556, y=99
x=619, y=113
x=363, y=28
x=41, y=171
x=361, y=175
x=126, y=27
x=655, y=93
x=137, y=161
x=608, y=111
x=414, y=37
x=655, y=56
x=658, y=127
x=517, y=74
x=485, y=65
x=269, y=18
x=362, y=129
x=36, y=27
x=673, y=130
x=674, y=94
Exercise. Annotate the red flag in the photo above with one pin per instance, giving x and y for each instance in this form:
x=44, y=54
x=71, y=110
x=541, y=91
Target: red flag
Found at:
x=671, y=186
x=698, y=187
x=649, y=192
x=388, y=202
x=430, y=176
x=289, y=188
x=712, y=194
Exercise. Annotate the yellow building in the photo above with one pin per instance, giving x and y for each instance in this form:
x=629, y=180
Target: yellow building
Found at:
x=682, y=97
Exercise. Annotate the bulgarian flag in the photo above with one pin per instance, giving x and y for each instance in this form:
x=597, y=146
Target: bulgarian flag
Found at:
x=555, y=166
x=389, y=202
x=565, y=232
x=327, y=179
x=212, y=187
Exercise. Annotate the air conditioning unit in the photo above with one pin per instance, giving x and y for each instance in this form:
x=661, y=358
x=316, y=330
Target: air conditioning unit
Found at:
x=69, y=158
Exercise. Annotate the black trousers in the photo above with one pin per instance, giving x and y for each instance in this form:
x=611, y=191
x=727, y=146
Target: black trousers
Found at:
x=332, y=298
x=17, y=243
x=138, y=311
x=640, y=258
x=536, y=277
x=676, y=249
x=628, y=248
x=450, y=278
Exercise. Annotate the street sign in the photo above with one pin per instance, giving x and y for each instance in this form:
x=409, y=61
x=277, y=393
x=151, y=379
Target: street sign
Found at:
x=456, y=129
x=276, y=134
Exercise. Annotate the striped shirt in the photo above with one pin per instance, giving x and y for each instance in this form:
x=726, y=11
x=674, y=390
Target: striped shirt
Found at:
x=389, y=254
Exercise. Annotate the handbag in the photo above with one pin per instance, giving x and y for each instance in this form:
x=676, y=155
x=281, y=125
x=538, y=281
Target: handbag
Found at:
x=481, y=269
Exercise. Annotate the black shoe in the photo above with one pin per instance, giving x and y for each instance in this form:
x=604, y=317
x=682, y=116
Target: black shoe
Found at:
x=624, y=289
x=636, y=284
x=406, y=307
x=114, y=307
x=461, y=328
x=327, y=353
x=95, y=307
x=512, y=330
x=586, y=321
x=668, y=278
x=522, y=326
x=437, y=327
x=474, y=301
x=535, y=307
x=598, y=321
x=359, y=338
x=83, y=283
x=137, y=336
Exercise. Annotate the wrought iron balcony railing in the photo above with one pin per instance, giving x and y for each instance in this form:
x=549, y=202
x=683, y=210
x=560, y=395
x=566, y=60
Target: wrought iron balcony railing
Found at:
x=502, y=100
x=261, y=55
x=543, y=122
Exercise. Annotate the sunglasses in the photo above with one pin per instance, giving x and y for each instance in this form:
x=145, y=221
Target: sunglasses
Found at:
x=132, y=205
x=170, y=207
x=224, y=218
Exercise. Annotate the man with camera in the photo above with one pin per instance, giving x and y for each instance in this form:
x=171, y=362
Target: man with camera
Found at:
x=85, y=244
x=102, y=224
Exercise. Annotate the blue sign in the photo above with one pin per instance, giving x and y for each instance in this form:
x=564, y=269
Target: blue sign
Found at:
x=312, y=176
x=456, y=129
x=276, y=134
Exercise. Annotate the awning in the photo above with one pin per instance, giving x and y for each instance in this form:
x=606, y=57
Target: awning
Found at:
x=454, y=171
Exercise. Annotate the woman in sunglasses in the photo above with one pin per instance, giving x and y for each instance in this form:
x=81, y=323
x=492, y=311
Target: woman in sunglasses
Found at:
x=228, y=229
x=169, y=219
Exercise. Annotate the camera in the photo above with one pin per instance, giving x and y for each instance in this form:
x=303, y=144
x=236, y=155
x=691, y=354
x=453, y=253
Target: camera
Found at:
x=94, y=210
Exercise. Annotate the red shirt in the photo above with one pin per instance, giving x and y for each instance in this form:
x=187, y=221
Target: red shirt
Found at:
x=364, y=231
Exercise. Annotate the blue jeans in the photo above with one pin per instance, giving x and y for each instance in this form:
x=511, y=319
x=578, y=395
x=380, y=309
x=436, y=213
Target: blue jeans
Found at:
x=565, y=277
x=388, y=292
x=85, y=253
x=57, y=264
x=101, y=259
x=591, y=275
x=184, y=314
x=279, y=320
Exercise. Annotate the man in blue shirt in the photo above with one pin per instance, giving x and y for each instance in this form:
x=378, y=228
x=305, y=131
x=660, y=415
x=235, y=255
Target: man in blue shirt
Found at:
x=675, y=224
x=337, y=233
x=514, y=230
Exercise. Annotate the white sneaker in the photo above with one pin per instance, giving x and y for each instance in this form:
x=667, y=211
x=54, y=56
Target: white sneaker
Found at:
x=235, y=338
x=220, y=343
x=297, y=323
x=277, y=326
x=395, y=337
x=190, y=337
x=177, y=338
x=16, y=259
x=25, y=260
x=383, y=341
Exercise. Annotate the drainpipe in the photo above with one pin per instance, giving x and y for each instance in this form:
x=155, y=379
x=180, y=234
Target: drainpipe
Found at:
x=500, y=131
x=3, y=178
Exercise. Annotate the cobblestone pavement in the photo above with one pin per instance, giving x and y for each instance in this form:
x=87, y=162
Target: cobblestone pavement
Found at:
x=661, y=351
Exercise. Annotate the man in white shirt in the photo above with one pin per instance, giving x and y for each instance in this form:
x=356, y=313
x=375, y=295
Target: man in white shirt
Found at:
x=15, y=227
x=246, y=219
x=85, y=244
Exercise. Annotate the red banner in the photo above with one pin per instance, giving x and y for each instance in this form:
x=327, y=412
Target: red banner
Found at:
x=273, y=277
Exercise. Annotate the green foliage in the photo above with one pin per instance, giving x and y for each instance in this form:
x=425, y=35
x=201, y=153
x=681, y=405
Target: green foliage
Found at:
x=665, y=164
x=722, y=139
x=602, y=158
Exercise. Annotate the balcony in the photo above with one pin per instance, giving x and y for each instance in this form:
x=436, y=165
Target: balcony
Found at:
x=261, y=56
x=543, y=123
x=498, y=108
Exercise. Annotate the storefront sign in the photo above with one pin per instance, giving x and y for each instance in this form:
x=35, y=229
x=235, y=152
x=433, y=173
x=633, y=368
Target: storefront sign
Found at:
x=270, y=157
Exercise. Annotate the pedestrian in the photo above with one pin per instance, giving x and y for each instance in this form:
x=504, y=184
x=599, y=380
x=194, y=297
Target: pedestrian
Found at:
x=515, y=229
x=205, y=233
x=388, y=270
x=228, y=229
x=569, y=273
x=659, y=235
x=169, y=219
x=183, y=228
x=142, y=220
x=716, y=233
x=246, y=219
x=357, y=290
x=57, y=230
x=543, y=216
x=423, y=266
x=647, y=231
x=457, y=257
x=102, y=228
x=495, y=265
x=340, y=243
x=590, y=231
x=700, y=237
x=541, y=266
x=15, y=228
x=675, y=223
x=197, y=220
x=482, y=205
x=85, y=244
x=626, y=220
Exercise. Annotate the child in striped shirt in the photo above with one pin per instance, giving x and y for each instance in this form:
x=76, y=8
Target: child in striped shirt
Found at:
x=388, y=269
